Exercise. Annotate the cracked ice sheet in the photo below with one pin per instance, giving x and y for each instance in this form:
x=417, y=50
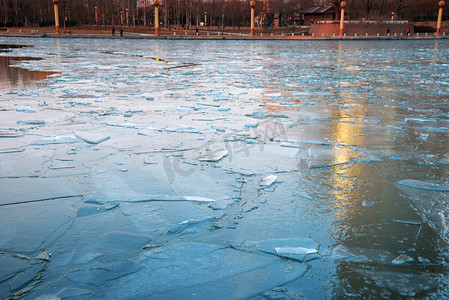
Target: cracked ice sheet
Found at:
x=11, y=266
x=118, y=179
x=97, y=247
x=299, y=249
x=28, y=163
x=25, y=281
x=215, y=272
x=251, y=159
x=429, y=200
x=28, y=228
x=215, y=183
x=26, y=121
x=326, y=113
x=22, y=190
x=157, y=218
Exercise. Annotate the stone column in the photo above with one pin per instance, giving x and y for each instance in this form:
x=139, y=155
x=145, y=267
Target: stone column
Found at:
x=55, y=3
x=156, y=18
x=127, y=18
x=440, y=15
x=252, y=4
x=342, y=18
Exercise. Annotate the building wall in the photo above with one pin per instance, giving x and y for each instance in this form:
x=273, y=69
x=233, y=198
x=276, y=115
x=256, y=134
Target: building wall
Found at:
x=361, y=29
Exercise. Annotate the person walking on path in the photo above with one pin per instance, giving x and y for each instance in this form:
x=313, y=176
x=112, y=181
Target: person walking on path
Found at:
x=113, y=31
x=121, y=32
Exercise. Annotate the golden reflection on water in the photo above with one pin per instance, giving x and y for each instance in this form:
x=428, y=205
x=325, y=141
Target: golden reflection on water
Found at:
x=348, y=117
x=435, y=53
x=345, y=131
x=13, y=77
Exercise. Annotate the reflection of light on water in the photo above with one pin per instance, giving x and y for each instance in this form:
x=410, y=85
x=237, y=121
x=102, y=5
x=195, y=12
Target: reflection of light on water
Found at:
x=156, y=51
x=346, y=133
x=15, y=77
x=435, y=53
x=58, y=50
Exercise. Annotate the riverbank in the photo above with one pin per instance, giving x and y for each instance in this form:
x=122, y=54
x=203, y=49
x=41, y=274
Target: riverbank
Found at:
x=208, y=35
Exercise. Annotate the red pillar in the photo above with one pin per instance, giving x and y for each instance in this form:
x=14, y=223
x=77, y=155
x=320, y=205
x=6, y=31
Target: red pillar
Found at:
x=440, y=15
x=342, y=18
x=252, y=4
x=55, y=3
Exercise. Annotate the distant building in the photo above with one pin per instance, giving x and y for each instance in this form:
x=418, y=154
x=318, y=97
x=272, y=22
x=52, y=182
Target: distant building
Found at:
x=317, y=13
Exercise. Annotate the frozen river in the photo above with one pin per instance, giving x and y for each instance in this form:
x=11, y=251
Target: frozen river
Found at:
x=224, y=169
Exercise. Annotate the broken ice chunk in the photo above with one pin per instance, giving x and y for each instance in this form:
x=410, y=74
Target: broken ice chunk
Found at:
x=401, y=259
x=31, y=122
x=304, y=195
x=407, y=222
x=423, y=260
x=291, y=145
x=420, y=120
x=26, y=110
x=61, y=167
x=198, y=199
x=184, y=225
x=340, y=252
x=44, y=255
x=183, y=129
x=423, y=136
x=368, y=204
x=213, y=156
x=92, y=137
x=425, y=185
x=252, y=124
x=258, y=115
x=219, y=205
x=294, y=250
x=267, y=181
x=184, y=109
x=301, y=249
x=56, y=140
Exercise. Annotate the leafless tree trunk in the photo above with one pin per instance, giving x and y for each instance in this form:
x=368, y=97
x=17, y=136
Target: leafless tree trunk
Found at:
x=165, y=13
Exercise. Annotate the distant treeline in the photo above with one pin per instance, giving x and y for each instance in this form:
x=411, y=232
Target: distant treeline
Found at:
x=192, y=13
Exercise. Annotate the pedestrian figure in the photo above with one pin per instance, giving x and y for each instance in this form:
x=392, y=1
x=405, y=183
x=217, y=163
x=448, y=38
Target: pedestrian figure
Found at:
x=408, y=31
x=113, y=31
x=388, y=31
x=197, y=31
x=121, y=32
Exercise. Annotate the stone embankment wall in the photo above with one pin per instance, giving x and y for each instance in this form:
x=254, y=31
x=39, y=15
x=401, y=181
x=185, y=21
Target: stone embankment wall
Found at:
x=362, y=28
